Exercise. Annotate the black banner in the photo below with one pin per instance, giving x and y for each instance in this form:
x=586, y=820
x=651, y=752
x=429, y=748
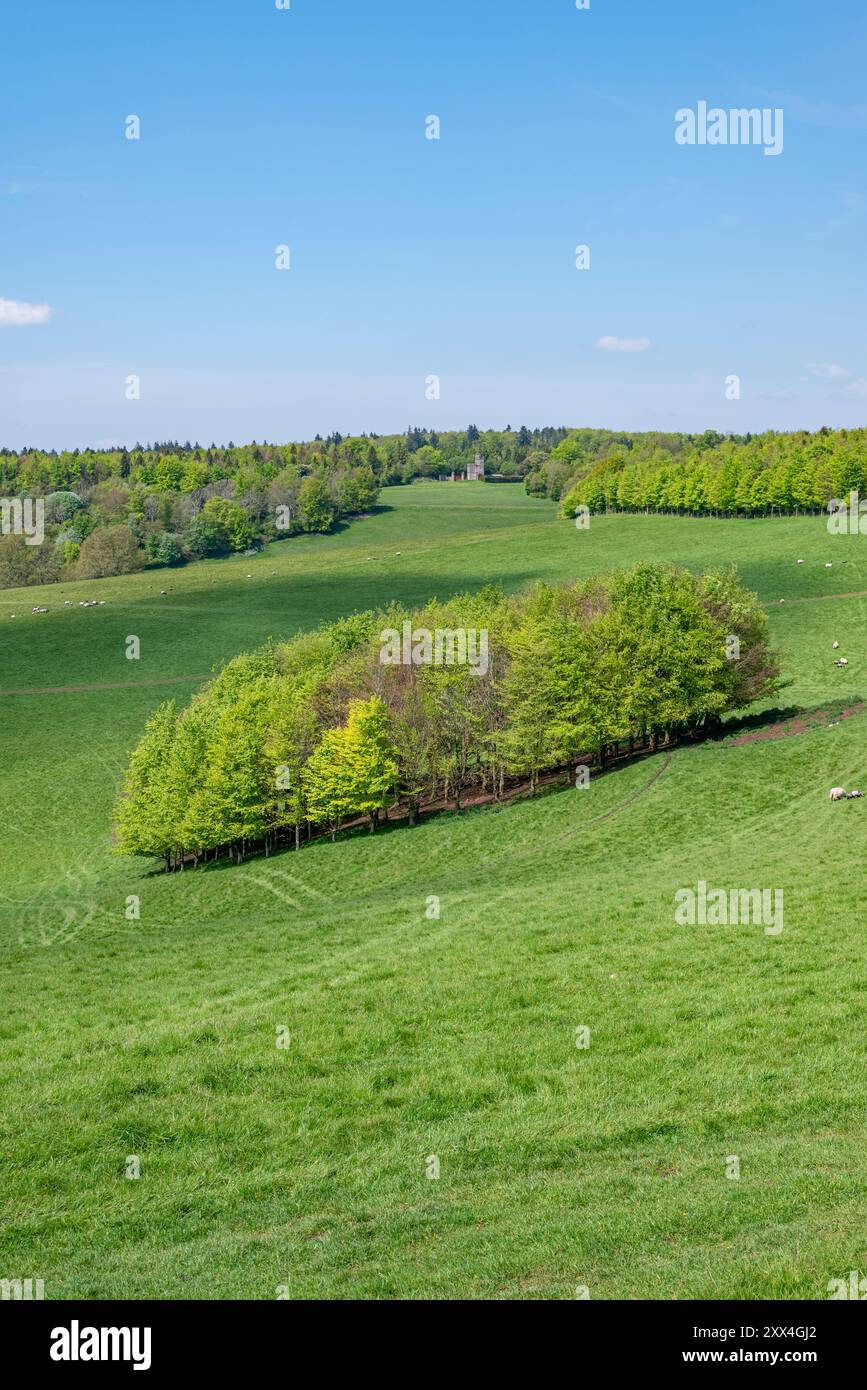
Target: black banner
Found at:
x=144, y=1338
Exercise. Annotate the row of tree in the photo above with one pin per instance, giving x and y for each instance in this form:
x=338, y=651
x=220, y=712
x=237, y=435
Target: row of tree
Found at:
x=307, y=735
x=752, y=476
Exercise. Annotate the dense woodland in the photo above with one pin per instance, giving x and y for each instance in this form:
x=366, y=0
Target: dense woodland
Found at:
x=113, y=511
x=303, y=736
x=116, y=510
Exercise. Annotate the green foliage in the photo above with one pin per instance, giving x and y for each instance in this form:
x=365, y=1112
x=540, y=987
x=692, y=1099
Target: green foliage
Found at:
x=714, y=474
x=165, y=548
x=145, y=821
x=22, y=564
x=316, y=507
x=107, y=551
x=60, y=506
x=222, y=526
x=292, y=733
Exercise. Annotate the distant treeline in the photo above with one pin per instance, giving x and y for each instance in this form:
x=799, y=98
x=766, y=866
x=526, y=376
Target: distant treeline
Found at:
x=710, y=475
x=114, y=510
x=110, y=511
x=306, y=735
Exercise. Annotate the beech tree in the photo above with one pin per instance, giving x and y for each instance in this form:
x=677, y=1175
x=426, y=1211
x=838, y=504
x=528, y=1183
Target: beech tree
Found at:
x=142, y=825
x=319, y=730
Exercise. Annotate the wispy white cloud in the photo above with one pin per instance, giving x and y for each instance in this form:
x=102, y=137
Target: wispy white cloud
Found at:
x=858, y=388
x=612, y=344
x=829, y=370
x=16, y=313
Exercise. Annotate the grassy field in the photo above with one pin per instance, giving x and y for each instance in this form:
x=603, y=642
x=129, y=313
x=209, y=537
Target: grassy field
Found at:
x=411, y=1037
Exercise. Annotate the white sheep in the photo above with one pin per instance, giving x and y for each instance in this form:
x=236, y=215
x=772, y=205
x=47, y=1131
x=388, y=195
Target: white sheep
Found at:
x=837, y=794
x=836, y=646
x=851, y=794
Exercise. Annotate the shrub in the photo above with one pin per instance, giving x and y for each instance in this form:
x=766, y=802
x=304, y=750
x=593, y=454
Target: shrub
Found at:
x=166, y=548
x=60, y=506
x=22, y=564
x=110, y=550
x=316, y=508
x=222, y=525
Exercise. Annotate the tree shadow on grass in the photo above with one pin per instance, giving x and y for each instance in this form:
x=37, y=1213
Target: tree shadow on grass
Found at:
x=786, y=721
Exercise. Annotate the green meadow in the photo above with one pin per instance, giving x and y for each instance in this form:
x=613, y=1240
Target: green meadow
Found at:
x=412, y=1036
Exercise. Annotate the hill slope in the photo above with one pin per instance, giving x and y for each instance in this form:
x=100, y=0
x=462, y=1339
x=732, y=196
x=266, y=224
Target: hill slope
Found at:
x=414, y=1036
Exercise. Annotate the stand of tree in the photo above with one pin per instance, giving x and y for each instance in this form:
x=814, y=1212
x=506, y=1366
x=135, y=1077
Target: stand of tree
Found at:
x=714, y=475
x=302, y=736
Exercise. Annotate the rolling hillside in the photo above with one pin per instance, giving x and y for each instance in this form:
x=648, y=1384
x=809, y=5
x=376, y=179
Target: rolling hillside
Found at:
x=453, y=1036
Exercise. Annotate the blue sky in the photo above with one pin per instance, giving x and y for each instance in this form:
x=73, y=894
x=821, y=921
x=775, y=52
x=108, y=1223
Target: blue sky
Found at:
x=413, y=257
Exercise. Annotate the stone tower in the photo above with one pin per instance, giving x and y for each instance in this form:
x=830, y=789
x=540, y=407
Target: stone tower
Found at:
x=476, y=470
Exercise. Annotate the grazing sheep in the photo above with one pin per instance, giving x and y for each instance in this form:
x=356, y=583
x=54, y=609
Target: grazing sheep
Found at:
x=827, y=564
x=851, y=794
x=837, y=794
x=836, y=646
x=800, y=562
x=841, y=661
